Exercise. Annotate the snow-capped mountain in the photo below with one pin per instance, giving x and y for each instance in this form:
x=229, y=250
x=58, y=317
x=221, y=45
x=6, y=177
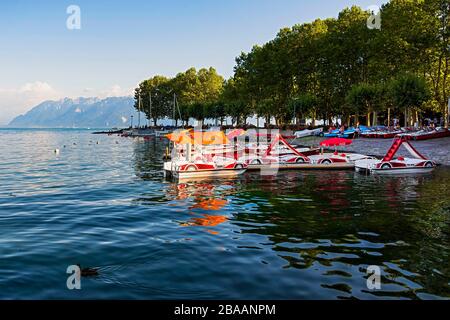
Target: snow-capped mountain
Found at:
x=80, y=113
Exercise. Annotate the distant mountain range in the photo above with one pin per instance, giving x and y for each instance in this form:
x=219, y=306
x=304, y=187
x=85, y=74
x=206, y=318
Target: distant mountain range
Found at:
x=80, y=113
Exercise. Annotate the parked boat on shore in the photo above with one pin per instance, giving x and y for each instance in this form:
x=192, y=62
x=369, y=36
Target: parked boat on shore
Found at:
x=337, y=133
x=426, y=134
x=308, y=133
x=381, y=132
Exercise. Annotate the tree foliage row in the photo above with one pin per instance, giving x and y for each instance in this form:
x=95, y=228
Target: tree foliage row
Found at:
x=326, y=69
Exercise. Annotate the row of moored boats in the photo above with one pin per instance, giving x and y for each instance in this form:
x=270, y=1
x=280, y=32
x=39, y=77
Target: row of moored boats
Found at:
x=217, y=154
x=378, y=132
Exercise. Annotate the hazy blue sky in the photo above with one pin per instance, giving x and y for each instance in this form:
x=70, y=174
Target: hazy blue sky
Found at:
x=123, y=42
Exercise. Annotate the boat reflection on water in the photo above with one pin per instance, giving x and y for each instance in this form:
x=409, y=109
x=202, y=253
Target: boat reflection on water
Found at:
x=204, y=198
x=318, y=228
x=334, y=189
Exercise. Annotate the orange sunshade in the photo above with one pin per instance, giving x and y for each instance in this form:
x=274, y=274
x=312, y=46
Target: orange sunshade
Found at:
x=180, y=137
x=210, y=138
x=236, y=133
x=198, y=137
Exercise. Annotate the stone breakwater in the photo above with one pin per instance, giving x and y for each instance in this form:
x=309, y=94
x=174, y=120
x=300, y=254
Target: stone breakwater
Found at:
x=436, y=149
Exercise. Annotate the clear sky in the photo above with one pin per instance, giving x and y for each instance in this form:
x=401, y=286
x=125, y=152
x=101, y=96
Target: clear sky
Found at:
x=121, y=43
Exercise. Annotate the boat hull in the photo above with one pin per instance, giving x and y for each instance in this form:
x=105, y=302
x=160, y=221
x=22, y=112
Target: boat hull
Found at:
x=218, y=173
x=169, y=171
x=302, y=166
x=370, y=165
x=394, y=171
x=430, y=136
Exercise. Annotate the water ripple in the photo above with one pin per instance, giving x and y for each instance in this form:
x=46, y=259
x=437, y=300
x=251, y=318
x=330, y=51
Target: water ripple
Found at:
x=307, y=235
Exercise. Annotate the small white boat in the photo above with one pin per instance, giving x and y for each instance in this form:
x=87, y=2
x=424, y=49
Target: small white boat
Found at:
x=308, y=133
x=400, y=165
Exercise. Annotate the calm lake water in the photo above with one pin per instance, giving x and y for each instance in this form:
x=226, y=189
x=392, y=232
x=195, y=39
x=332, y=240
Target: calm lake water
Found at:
x=300, y=235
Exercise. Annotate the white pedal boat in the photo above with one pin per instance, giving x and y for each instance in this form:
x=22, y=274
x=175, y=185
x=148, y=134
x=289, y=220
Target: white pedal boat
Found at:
x=400, y=165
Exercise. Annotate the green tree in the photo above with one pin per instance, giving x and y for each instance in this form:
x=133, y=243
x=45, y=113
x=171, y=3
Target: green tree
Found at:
x=237, y=107
x=415, y=38
x=409, y=92
x=438, y=73
x=159, y=88
x=362, y=99
x=304, y=106
x=196, y=91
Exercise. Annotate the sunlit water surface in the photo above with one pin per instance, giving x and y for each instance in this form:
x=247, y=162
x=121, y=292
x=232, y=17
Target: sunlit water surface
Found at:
x=103, y=202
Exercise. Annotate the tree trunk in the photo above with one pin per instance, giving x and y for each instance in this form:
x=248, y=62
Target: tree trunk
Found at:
x=368, y=119
x=389, y=117
x=406, y=117
x=314, y=119
x=375, y=118
x=446, y=107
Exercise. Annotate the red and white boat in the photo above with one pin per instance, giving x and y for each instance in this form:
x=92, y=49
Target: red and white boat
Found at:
x=381, y=134
x=260, y=149
x=400, y=165
x=201, y=167
x=202, y=159
x=427, y=134
x=297, y=160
